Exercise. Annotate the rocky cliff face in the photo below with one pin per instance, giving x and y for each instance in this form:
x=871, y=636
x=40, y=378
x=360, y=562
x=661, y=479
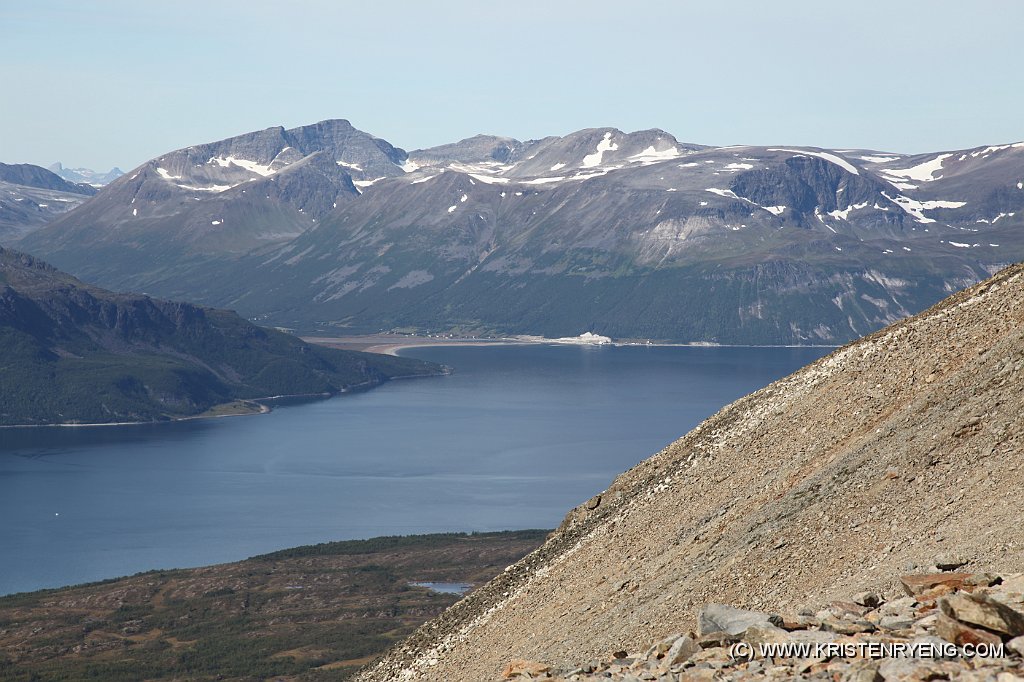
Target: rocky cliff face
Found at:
x=890, y=452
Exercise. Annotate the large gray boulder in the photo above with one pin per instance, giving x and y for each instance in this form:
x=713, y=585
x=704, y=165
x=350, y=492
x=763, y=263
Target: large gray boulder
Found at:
x=728, y=619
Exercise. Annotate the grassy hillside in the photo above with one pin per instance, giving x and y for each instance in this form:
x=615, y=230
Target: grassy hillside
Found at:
x=76, y=353
x=309, y=613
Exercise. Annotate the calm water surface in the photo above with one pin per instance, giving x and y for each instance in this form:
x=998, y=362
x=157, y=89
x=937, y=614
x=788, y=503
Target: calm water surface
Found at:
x=513, y=439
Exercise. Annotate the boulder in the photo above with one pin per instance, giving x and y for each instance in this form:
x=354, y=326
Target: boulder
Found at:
x=733, y=621
x=763, y=633
x=956, y=632
x=868, y=599
x=521, y=668
x=681, y=650
x=979, y=608
x=948, y=562
x=916, y=584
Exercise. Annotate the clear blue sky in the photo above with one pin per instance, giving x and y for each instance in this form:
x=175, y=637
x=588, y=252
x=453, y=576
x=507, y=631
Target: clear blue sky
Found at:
x=115, y=83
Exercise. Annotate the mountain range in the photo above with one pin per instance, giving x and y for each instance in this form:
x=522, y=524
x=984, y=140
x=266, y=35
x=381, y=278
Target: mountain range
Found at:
x=86, y=175
x=31, y=197
x=328, y=229
x=75, y=353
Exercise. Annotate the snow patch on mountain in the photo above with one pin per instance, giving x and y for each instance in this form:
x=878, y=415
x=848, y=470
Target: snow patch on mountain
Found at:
x=723, y=192
x=998, y=148
x=923, y=172
x=486, y=179
x=605, y=145
x=917, y=208
x=831, y=158
x=902, y=186
x=878, y=159
x=162, y=172
x=651, y=155
x=845, y=213
x=251, y=166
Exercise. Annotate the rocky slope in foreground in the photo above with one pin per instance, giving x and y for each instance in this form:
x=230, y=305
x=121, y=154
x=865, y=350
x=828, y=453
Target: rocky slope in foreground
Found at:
x=74, y=353
x=947, y=625
x=843, y=476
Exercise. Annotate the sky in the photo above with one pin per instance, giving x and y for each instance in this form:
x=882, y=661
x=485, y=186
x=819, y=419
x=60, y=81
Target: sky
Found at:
x=108, y=83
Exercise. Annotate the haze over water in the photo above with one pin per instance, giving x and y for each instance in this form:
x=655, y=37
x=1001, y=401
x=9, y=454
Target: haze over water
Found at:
x=514, y=439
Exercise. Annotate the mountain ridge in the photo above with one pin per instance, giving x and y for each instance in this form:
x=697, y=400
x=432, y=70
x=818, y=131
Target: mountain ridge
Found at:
x=85, y=175
x=630, y=235
x=31, y=196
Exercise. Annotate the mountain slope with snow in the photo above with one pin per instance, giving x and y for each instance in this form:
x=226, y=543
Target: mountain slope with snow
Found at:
x=31, y=196
x=636, y=235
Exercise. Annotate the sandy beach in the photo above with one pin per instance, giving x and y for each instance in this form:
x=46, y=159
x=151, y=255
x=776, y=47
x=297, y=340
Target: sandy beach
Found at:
x=390, y=344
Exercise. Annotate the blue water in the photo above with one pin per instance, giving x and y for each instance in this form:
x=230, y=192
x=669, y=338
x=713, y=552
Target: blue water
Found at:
x=513, y=439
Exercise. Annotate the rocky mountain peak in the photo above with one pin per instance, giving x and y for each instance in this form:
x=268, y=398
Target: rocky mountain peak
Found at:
x=476, y=149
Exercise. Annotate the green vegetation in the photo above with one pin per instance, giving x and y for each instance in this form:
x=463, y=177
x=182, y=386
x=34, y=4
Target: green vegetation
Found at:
x=78, y=354
x=311, y=613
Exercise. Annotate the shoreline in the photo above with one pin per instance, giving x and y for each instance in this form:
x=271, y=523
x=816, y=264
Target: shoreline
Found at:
x=263, y=409
x=257, y=403
x=385, y=345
